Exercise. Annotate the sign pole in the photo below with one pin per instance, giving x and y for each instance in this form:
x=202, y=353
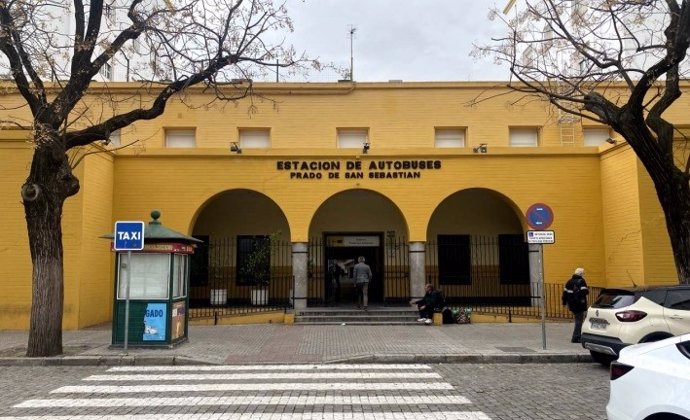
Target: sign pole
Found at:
x=129, y=278
x=542, y=303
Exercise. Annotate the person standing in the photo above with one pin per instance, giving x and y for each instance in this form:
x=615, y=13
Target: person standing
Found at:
x=575, y=297
x=362, y=275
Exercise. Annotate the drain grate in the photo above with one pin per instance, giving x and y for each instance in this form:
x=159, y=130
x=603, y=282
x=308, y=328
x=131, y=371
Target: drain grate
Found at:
x=516, y=349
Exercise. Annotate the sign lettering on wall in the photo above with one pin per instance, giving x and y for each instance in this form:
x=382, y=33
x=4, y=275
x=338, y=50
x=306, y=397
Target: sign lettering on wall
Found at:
x=357, y=169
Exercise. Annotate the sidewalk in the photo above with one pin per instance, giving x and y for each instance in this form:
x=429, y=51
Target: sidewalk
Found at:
x=277, y=343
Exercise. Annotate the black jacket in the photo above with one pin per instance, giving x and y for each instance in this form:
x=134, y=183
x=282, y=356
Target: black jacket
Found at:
x=433, y=299
x=575, y=294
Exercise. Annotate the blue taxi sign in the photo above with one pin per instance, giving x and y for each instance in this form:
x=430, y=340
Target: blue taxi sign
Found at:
x=129, y=236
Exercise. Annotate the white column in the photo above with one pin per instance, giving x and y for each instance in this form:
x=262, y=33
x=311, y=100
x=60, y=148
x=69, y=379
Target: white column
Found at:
x=299, y=273
x=417, y=269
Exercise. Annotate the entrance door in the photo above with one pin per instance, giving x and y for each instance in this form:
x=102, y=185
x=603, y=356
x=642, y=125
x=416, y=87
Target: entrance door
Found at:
x=343, y=250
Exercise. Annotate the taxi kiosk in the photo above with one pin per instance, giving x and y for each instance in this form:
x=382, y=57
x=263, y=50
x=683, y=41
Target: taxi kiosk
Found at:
x=158, y=289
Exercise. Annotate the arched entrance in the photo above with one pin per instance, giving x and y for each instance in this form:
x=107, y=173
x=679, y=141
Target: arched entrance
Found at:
x=348, y=225
x=246, y=250
x=476, y=250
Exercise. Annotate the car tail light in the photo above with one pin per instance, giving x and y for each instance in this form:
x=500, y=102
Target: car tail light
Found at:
x=630, y=316
x=619, y=369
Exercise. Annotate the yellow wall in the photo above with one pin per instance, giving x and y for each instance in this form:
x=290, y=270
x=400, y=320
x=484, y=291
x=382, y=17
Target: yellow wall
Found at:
x=607, y=218
x=15, y=260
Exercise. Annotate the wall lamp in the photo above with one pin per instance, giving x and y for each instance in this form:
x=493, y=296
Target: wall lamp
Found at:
x=365, y=148
x=611, y=141
x=234, y=147
x=482, y=148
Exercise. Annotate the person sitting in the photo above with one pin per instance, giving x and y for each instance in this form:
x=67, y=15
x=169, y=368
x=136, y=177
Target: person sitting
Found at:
x=430, y=303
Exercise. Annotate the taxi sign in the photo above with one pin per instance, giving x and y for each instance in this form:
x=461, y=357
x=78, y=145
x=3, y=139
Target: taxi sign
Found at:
x=129, y=236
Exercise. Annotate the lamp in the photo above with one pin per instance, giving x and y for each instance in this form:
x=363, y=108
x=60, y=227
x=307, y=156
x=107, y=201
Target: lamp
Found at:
x=482, y=148
x=234, y=147
x=365, y=148
x=611, y=141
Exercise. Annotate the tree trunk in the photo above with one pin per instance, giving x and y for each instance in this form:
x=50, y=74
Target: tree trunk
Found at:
x=50, y=182
x=674, y=197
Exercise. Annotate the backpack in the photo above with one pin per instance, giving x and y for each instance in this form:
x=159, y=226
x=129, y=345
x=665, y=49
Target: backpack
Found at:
x=447, y=316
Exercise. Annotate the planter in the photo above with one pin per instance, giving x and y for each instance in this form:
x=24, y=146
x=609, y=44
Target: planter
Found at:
x=219, y=297
x=259, y=296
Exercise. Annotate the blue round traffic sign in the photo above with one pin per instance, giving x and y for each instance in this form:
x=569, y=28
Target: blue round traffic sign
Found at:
x=539, y=216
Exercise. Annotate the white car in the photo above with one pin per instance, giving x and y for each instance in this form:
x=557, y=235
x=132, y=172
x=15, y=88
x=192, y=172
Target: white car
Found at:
x=651, y=381
x=621, y=317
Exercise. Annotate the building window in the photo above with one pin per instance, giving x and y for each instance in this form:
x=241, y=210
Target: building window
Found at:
x=524, y=137
x=512, y=259
x=114, y=139
x=352, y=138
x=253, y=259
x=595, y=136
x=176, y=137
x=454, y=259
x=107, y=71
x=449, y=137
x=255, y=138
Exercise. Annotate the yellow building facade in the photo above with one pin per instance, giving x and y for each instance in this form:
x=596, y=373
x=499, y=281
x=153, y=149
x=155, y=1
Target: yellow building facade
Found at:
x=429, y=181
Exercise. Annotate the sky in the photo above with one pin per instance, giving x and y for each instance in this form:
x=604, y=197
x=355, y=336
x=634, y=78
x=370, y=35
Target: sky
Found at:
x=409, y=40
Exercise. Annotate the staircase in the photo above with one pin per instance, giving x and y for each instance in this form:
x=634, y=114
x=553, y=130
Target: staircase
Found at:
x=352, y=316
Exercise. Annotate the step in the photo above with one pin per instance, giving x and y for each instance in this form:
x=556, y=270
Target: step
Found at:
x=362, y=318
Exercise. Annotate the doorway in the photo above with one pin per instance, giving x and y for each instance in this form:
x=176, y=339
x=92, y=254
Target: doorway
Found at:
x=342, y=250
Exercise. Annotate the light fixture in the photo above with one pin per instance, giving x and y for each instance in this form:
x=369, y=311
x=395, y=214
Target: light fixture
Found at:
x=611, y=141
x=234, y=147
x=365, y=148
x=482, y=148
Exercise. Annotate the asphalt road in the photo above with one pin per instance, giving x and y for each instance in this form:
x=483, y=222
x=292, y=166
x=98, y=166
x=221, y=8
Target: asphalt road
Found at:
x=433, y=391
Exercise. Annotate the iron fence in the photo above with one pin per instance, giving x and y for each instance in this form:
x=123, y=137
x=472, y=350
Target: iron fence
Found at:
x=217, y=287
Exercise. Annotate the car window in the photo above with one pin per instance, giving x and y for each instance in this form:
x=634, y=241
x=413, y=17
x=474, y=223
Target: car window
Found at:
x=657, y=296
x=684, y=348
x=614, y=299
x=678, y=299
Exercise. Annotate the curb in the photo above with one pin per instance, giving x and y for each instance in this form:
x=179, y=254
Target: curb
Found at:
x=133, y=360
x=129, y=360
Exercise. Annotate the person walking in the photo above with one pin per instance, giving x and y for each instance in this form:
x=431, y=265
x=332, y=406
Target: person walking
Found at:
x=362, y=275
x=575, y=297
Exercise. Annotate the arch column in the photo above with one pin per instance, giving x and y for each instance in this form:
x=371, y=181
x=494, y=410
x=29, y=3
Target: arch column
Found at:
x=299, y=274
x=417, y=269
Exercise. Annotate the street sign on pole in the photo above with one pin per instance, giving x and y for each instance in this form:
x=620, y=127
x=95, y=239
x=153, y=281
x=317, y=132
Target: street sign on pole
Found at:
x=129, y=236
x=539, y=216
x=541, y=237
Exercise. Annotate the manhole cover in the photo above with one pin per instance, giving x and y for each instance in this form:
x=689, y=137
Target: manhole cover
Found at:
x=516, y=349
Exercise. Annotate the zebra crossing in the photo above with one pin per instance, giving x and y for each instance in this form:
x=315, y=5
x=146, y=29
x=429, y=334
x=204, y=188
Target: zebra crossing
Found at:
x=257, y=392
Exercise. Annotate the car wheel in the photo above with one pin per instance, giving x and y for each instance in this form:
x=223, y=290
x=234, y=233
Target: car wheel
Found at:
x=601, y=358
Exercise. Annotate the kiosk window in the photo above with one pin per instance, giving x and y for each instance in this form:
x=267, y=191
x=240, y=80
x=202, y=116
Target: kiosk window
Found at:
x=150, y=276
x=179, y=274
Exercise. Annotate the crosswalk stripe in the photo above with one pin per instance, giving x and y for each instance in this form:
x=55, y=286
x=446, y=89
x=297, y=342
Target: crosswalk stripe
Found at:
x=261, y=376
x=247, y=400
x=204, y=368
x=434, y=415
x=304, y=386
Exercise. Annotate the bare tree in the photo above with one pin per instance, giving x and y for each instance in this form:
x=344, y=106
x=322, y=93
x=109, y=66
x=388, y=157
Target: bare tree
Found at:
x=619, y=63
x=181, y=43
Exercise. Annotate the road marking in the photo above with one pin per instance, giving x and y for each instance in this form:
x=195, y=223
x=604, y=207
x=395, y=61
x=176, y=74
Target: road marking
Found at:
x=251, y=400
x=263, y=376
x=433, y=415
x=316, y=386
x=204, y=368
